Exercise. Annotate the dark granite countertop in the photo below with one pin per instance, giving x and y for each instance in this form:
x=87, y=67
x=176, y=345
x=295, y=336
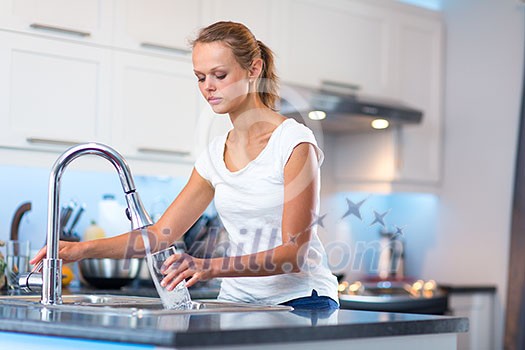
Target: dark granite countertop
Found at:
x=232, y=328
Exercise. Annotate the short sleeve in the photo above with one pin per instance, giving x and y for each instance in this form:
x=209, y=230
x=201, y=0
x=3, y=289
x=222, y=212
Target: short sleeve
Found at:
x=295, y=135
x=202, y=165
x=207, y=162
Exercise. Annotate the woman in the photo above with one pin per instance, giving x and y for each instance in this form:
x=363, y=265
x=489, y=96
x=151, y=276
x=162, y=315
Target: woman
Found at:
x=264, y=177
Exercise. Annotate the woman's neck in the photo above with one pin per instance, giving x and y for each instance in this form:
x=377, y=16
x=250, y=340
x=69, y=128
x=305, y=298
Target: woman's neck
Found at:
x=253, y=119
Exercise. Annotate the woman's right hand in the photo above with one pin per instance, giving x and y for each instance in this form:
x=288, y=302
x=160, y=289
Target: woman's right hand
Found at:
x=67, y=251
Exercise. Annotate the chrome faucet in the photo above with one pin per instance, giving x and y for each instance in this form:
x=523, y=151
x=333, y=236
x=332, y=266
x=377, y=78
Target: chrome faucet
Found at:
x=50, y=280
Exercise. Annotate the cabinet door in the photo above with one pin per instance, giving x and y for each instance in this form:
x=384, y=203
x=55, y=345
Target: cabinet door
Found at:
x=419, y=84
x=157, y=25
x=52, y=92
x=80, y=19
x=336, y=40
x=156, y=106
x=258, y=16
x=479, y=309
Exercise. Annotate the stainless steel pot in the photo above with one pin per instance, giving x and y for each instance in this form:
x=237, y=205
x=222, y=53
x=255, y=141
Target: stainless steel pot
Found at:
x=109, y=273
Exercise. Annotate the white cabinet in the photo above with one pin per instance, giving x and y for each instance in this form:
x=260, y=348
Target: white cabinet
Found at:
x=259, y=17
x=55, y=92
x=265, y=19
x=156, y=106
x=479, y=308
x=336, y=40
x=419, y=80
x=87, y=20
x=119, y=71
x=157, y=25
x=409, y=157
x=52, y=92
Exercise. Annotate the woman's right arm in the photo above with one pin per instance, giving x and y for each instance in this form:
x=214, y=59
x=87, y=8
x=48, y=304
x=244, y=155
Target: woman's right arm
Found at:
x=176, y=220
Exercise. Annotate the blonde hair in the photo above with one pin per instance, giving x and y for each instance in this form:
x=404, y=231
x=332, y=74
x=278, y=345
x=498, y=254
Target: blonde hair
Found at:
x=246, y=48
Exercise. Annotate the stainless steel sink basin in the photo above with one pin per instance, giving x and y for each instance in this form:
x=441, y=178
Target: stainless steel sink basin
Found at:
x=135, y=305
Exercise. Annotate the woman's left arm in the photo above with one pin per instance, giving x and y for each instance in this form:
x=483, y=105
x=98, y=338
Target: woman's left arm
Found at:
x=301, y=188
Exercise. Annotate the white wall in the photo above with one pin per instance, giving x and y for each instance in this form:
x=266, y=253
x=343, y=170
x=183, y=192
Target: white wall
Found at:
x=485, y=43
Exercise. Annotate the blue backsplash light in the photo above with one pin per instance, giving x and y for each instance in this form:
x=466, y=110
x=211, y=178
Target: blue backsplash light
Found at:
x=414, y=214
x=20, y=184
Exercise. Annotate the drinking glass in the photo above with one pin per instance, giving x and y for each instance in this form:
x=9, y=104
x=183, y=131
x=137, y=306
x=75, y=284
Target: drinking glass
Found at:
x=179, y=297
x=17, y=259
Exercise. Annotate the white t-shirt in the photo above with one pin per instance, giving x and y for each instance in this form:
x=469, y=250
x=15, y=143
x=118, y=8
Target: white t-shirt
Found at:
x=250, y=203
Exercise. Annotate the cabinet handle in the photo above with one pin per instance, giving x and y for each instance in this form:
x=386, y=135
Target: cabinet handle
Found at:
x=41, y=26
x=148, y=45
x=163, y=151
x=37, y=140
x=340, y=85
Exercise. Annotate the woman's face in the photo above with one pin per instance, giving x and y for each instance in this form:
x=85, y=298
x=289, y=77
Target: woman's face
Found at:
x=222, y=81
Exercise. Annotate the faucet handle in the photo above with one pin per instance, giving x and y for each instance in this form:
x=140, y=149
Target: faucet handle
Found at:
x=31, y=282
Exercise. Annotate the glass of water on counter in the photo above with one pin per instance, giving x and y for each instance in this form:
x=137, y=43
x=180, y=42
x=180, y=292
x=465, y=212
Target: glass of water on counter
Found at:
x=17, y=259
x=179, y=297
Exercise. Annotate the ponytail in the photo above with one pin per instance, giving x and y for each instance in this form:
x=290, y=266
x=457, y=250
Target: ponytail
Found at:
x=267, y=85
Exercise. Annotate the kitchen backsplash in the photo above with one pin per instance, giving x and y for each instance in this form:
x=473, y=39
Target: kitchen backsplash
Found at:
x=349, y=223
x=353, y=222
x=21, y=184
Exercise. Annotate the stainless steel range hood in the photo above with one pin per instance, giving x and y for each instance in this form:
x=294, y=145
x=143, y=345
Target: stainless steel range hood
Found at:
x=346, y=110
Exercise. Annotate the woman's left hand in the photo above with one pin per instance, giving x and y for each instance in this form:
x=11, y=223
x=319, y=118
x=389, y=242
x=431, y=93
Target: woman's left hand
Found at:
x=179, y=267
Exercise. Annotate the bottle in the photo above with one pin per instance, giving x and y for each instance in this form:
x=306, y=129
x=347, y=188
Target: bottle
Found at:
x=112, y=216
x=94, y=231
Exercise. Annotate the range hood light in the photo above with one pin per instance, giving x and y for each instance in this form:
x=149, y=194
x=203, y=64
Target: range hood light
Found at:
x=380, y=124
x=344, y=111
x=316, y=115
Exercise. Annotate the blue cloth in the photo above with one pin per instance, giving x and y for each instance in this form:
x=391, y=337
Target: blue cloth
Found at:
x=314, y=302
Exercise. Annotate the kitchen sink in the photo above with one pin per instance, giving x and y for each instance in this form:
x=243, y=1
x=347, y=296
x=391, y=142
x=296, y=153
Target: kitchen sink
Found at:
x=133, y=305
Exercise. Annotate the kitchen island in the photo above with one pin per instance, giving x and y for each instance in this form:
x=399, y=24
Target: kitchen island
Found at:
x=66, y=329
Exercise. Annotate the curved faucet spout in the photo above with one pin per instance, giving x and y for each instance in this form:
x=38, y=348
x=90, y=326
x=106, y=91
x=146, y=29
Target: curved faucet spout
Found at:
x=52, y=267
